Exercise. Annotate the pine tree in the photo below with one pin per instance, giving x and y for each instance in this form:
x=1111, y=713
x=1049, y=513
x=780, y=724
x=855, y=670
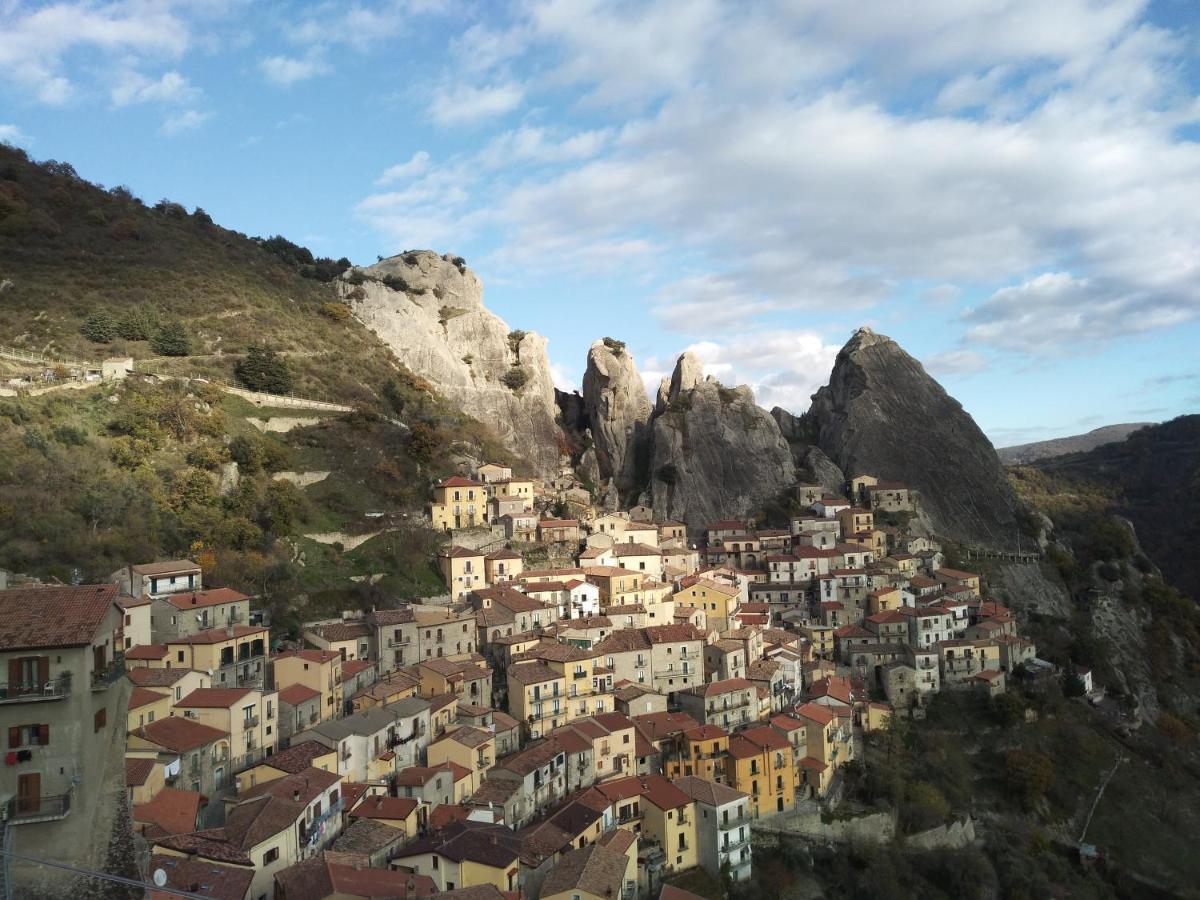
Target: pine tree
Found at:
x=264, y=370
x=138, y=323
x=99, y=327
x=171, y=339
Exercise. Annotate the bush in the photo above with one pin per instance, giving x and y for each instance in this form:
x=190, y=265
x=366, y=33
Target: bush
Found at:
x=70, y=435
x=924, y=807
x=264, y=370
x=515, y=378
x=126, y=229
x=514, y=341
x=248, y=453
x=1030, y=773
x=335, y=312
x=99, y=327
x=171, y=340
x=617, y=347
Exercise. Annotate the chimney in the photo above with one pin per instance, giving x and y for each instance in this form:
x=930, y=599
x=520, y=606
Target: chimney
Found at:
x=296, y=796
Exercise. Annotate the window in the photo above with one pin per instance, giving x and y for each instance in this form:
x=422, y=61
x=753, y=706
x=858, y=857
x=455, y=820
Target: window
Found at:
x=28, y=736
x=270, y=856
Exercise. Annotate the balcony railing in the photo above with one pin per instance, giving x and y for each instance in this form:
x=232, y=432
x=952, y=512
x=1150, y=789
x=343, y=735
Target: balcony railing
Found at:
x=250, y=722
x=53, y=689
x=736, y=843
x=104, y=678
x=733, y=823
x=399, y=642
x=27, y=810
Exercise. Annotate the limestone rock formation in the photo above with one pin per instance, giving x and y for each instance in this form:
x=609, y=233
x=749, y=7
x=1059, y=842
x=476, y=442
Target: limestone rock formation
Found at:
x=882, y=414
x=618, y=412
x=429, y=310
x=715, y=454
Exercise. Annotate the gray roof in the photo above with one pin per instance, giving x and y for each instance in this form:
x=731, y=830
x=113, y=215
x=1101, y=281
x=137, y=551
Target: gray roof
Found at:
x=369, y=721
x=408, y=707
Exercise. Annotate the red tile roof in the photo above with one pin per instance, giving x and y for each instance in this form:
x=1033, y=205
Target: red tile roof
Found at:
x=137, y=771
x=309, y=655
x=217, y=635
x=381, y=807
x=201, y=599
x=180, y=734
x=172, y=811
x=146, y=651
x=295, y=694
x=213, y=698
x=140, y=697
x=39, y=617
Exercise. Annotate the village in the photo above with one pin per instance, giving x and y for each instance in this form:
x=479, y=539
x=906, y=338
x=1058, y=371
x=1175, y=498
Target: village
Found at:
x=599, y=702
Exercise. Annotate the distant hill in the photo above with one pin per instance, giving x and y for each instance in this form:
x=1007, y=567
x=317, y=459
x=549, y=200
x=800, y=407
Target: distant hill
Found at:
x=114, y=473
x=1153, y=479
x=1023, y=454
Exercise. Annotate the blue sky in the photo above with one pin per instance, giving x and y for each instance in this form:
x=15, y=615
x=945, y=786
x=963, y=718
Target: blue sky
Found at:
x=1010, y=188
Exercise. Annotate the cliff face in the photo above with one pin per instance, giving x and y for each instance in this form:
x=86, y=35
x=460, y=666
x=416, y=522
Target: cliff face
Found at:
x=715, y=454
x=618, y=412
x=882, y=414
x=430, y=312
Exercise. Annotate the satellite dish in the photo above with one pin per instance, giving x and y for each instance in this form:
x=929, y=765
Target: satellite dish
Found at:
x=160, y=878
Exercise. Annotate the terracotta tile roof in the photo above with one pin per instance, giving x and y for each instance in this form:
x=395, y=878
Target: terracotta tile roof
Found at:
x=310, y=783
x=144, y=676
x=216, y=881
x=352, y=667
x=401, y=616
x=815, y=712
x=622, y=550
x=381, y=807
x=503, y=553
x=335, y=875
x=201, y=599
x=462, y=553
x=180, y=734
x=705, y=733
x=297, y=757
x=664, y=724
x=133, y=602
x=146, y=651
x=137, y=771
x=141, y=696
x=61, y=616
x=309, y=655
x=249, y=824
x=366, y=835
x=786, y=724
x=716, y=688
x=708, y=792
x=655, y=788
x=295, y=694
x=558, y=523
x=458, y=481
x=213, y=698
x=341, y=631
x=172, y=811
x=532, y=673
x=217, y=635
x=594, y=869
x=495, y=846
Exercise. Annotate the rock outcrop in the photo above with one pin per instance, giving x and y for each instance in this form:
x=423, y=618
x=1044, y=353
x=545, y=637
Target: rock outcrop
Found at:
x=429, y=310
x=618, y=412
x=715, y=454
x=882, y=414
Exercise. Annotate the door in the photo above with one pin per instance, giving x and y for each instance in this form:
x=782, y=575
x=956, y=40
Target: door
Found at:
x=29, y=793
x=99, y=658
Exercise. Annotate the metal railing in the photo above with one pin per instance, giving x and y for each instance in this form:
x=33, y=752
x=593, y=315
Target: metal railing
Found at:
x=26, y=810
x=52, y=689
x=109, y=675
x=735, y=822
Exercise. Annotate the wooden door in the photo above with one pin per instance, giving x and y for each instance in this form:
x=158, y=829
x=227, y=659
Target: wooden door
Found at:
x=99, y=658
x=29, y=792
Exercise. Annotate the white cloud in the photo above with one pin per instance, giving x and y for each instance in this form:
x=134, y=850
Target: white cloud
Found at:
x=36, y=41
x=288, y=70
x=180, y=123
x=133, y=87
x=464, y=104
x=955, y=362
x=11, y=134
x=416, y=165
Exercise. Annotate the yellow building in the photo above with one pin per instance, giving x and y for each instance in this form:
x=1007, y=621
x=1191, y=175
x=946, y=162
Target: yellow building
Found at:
x=319, y=670
x=463, y=570
x=466, y=854
x=703, y=753
x=248, y=716
x=511, y=488
x=761, y=766
x=719, y=601
x=829, y=745
x=458, y=503
x=537, y=697
x=588, y=682
x=401, y=813
x=147, y=705
x=884, y=600
x=236, y=654
x=474, y=749
x=296, y=758
x=659, y=812
x=502, y=565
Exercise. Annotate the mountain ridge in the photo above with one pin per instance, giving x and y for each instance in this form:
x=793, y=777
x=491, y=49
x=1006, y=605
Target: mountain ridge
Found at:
x=1021, y=454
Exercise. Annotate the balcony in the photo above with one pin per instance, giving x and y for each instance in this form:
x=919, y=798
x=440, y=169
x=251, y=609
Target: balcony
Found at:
x=29, y=810
x=316, y=829
x=734, y=823
x=736, y=843
x=398, y=642
x=103, y=679
x=250, y=722
x=54, y=689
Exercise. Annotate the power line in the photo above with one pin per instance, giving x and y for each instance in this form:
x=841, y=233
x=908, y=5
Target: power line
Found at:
x=105, y=876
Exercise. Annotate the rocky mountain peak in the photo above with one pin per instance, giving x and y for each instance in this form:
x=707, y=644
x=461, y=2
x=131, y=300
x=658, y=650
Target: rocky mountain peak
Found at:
x=429, y=310
x=689, y=372
x=617, y=411
x=882, y=414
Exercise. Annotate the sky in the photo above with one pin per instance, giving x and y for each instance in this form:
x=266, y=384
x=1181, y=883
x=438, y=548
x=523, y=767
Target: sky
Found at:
x=1009, y=188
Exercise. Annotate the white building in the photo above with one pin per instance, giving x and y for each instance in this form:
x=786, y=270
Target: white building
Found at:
x=722, y=826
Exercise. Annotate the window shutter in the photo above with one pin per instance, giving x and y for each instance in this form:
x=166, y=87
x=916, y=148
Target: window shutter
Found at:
x=43, y=669
x=14, y=673
x=44, y=735
x=14, y=737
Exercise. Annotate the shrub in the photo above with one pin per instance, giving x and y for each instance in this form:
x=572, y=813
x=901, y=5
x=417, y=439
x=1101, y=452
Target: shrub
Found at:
x=263, y=369
x=446, y=313
x=171, y=339
x=1030, y=773
x=924, y=807
x=126, y=229
x=460, y=264
x=356, y=278
x=99, y=327
x=170, y=209
x=248, y=453
x=617, y=347
x=514, y=341
x=335, y=312
x=70, y=435
x=395, y=283
x=515, y=378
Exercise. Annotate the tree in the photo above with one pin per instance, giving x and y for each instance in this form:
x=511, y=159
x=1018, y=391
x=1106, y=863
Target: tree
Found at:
x=515, y=378
x=1030, y=773
x=99, y=327
x=171, y=340
x=248, y=453
x=138, y=323
x=924, y=807
x=263, y=369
